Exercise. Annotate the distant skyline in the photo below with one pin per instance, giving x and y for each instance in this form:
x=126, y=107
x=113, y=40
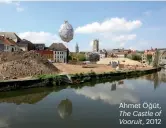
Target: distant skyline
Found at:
x=135, y=25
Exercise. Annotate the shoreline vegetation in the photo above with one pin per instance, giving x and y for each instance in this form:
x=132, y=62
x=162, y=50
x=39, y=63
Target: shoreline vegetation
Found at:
x=72, y=79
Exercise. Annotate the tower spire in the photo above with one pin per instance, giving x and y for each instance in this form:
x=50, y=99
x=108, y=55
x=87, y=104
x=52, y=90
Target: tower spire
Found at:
x=76, y=48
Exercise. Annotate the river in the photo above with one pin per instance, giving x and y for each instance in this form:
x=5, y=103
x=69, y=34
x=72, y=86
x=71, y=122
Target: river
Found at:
x=92, y=106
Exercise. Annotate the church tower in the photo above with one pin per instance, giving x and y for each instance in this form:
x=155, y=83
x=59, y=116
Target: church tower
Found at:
x=77, y=48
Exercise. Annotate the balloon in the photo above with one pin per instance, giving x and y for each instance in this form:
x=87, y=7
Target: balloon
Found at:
x=65, y=108
x=66, y=32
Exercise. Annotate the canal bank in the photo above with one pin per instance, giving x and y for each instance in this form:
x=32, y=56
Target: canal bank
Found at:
x=72, y=79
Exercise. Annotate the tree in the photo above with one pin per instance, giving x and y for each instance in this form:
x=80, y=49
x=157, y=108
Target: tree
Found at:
x=149, y=58
x=81, y=57
x=78, y=56
x=69, y=57
x=156, y=59
x=134, y=56
x=93, y=57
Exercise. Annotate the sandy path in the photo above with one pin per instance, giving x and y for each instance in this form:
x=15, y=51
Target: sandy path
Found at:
x=71, y=69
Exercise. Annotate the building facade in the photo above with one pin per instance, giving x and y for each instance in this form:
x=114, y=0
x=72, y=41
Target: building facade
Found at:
x=61, y=52
x=162, y=60
x=49, y=54
x=11, y=35
x=162, y=52
x=8, y=45
x=26, y=45
x=39, y=46
x=96, y=45
x=103, y=53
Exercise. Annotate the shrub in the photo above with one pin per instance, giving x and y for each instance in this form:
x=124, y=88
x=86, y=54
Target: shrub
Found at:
x=149, y=58
x=93, y=57
x=135, y=56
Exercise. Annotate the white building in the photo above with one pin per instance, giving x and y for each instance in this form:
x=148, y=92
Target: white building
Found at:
x=61, y=52
x=163, y=58
x=103, y=53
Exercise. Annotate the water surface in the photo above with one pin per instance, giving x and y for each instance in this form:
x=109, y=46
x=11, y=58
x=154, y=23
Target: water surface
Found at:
x=81, y=107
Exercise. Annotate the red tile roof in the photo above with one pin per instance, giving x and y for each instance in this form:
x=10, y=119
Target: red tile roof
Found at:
x=7, y=41
x=42, y=52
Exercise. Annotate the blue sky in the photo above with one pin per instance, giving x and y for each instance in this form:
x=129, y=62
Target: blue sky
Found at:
x=135, y=25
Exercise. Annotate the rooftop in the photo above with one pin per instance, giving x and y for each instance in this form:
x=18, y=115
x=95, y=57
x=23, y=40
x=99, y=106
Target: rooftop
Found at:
x=7, y=41
x=58, y=47
x=11, y=35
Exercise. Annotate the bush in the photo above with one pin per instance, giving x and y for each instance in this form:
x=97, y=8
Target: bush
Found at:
x=69, y=57
x=81, y=57
x=93, y=57
x=134, y=56
x=149, y=58
x=78, y=56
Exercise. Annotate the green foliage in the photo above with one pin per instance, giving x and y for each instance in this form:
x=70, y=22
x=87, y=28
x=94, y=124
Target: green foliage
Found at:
x=47, y=76
x=77, y=56
x=156, y=59
x=69, y=57
x=81, y=57
x=134, y=56
x=92, y=73
x=149, y=58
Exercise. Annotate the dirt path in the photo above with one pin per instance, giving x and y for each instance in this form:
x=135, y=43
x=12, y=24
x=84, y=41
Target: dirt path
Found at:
x=71, y=69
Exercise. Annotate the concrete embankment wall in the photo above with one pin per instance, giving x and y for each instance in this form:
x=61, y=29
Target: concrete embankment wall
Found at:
x=76, y=79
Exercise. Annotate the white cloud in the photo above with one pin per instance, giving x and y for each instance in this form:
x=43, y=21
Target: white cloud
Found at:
x=40, y=37
x=143, y=44
x=91, y=43
x=111, y=25
x=17, y=4
x=18, y=7
x=115, y=40
x=104, y=93
x=113, y=32
x=6, y=1
x=118, y=37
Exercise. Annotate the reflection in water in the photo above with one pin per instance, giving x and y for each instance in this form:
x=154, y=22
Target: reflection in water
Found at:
x=157, y=78
x=88, y=99
x=121, y=82
x=102, y=92
x=65, y=108
x=4, y=122
x=28, y=99
x=162, y=75
x=113, y=87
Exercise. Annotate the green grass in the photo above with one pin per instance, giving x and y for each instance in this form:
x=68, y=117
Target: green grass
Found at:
x=47, y=76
